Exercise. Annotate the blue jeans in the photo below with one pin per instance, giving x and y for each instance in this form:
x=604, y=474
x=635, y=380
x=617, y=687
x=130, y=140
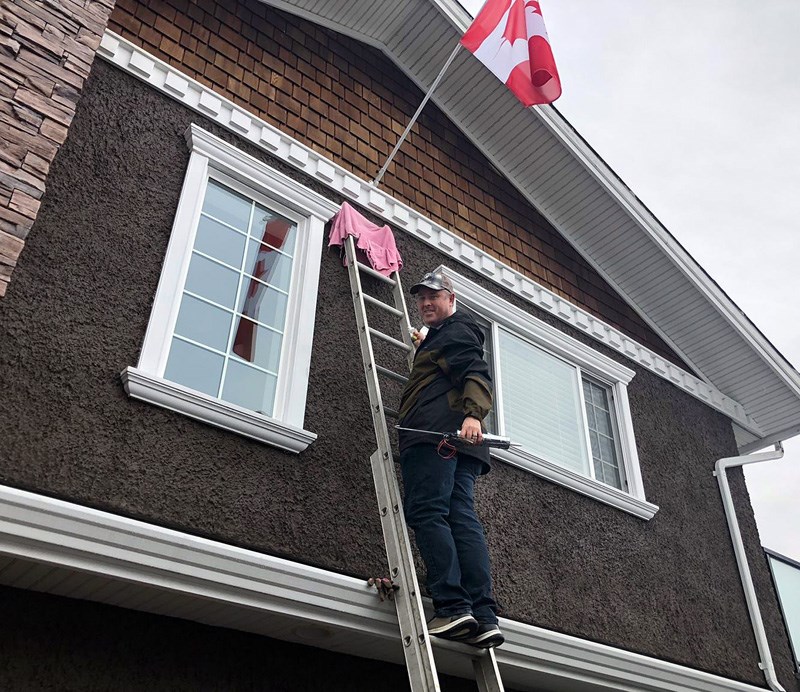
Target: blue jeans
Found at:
x=439, y=507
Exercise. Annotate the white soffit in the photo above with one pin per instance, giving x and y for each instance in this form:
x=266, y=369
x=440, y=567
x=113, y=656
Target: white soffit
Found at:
x=573, y=188
x=67, y=549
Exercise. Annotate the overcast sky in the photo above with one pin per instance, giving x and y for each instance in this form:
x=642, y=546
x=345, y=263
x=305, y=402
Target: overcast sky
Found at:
x=696, y=106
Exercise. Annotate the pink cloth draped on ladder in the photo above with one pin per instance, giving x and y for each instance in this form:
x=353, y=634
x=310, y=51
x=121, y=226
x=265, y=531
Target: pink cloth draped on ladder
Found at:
x=375, y=243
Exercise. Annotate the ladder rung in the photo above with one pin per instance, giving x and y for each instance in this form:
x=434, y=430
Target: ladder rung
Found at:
x=390, y=340
x=458, y=647
x=382, y=305
x=390, y=412
x=369, y=270
x=391, y=374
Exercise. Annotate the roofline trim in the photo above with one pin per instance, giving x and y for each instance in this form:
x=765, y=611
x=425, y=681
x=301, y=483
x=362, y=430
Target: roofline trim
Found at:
x=670, y=246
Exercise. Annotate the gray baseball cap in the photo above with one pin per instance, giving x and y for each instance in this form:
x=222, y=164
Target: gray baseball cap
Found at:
x=434, y=280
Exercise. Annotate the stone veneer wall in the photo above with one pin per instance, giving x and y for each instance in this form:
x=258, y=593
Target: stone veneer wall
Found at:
x=46, y=52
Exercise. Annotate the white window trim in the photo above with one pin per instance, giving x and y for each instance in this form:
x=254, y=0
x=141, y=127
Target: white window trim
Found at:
x=599, y=366
x=212, y=156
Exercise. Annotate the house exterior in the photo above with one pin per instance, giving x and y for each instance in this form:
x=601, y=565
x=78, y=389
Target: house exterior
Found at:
x=186, y=499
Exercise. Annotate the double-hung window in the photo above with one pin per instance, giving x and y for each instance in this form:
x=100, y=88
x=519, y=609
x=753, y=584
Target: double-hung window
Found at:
x=229, y=338
x=563, y=403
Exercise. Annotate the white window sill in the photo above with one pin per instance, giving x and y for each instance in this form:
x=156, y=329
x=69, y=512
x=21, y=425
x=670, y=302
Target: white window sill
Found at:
x=161, y=392
x=581, y=484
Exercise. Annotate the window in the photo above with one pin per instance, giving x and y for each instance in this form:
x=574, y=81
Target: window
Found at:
x=786, y=578
x=564, y=403
x=232, y=316
x=229, y=338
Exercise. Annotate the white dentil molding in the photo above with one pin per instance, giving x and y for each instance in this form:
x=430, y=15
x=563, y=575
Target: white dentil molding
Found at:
x=197, y=97
x=94, y=543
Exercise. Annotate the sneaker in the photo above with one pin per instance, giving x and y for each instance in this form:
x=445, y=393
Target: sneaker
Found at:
x=455, y=627
x=486, y=636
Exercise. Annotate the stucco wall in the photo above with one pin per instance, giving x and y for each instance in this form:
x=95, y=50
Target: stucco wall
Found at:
x=77, y=314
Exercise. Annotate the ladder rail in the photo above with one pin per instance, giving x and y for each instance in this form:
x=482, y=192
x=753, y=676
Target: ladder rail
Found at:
x=400, y=302
x=487, y=674
x=408, y=599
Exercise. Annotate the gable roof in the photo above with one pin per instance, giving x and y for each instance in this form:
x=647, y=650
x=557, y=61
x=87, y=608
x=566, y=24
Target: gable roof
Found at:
x=558, y=172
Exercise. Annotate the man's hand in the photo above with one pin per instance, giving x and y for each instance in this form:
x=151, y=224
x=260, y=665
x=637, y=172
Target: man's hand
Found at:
x=471, y=430
x=417, y=337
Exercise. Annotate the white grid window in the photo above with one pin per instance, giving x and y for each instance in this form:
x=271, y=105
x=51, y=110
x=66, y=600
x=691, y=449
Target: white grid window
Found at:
x=601, y=424
x=229, y=332
x=229, y=338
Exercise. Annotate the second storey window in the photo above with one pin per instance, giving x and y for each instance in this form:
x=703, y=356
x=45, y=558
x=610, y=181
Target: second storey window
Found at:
x=230, y=332
x=549, y=407
x=563, y=403
x=232, y=318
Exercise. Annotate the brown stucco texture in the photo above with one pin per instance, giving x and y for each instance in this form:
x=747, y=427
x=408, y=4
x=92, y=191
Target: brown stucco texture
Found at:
x=76, y=316
x=347, y=101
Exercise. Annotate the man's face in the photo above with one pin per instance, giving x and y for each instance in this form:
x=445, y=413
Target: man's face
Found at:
x=434, y=306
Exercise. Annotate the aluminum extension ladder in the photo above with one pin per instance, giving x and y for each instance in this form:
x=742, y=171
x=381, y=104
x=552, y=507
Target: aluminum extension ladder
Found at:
x=417, y=643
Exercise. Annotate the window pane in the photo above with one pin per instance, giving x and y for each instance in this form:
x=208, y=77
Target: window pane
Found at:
x=601, y=433
x=212, y=281
x=257, y=344
x=273, y=229
x=787, y=584
x=202, y=322
x=268, y=265
x=249, y=388
x=194, y=367
x=220, y=241
x=541, y=404
x=262, y=303
x=226, y=205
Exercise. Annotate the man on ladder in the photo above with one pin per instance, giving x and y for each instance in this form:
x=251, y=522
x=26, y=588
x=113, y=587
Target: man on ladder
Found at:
x=449, y=388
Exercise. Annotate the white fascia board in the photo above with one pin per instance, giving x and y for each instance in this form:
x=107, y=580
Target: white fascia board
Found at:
x=47, y=530
x=192, y=94
x=460, y=19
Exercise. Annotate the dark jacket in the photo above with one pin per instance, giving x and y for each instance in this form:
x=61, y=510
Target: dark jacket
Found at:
x=449, y=380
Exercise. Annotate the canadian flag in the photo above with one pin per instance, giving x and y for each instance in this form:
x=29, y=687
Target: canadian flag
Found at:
x=508, y=36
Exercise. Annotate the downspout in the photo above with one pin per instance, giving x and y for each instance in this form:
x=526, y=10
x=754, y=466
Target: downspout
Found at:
x=720, y=469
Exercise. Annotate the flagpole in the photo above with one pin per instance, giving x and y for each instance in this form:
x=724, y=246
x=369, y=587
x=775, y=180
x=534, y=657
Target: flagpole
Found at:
x=416, y=115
